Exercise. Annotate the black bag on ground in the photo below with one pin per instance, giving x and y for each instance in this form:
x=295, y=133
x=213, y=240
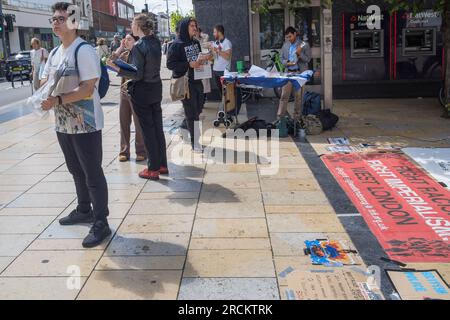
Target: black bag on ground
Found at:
x=255, y=124
x=328, y=119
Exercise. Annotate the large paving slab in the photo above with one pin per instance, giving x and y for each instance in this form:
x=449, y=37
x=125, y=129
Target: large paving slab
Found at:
x=132, y=285
x=23, y=224
x=40, y=288
x=229, y=210
x=157, y=224
x=304, y=223
x=53, y=263
x=141, y=263
x=149, y=244
x=229, y=289
x=230, y=228
x=229, y=263
x=14, y=244
x=164, y=206
x=46, y=200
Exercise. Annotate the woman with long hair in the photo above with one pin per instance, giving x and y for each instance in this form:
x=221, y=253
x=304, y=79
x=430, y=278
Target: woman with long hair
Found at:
x=126, y=112
x=145, y=90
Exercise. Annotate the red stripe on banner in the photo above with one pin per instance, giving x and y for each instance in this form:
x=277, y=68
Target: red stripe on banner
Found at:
x=395, y=45
x=408, y=211
x=390, y=47
x=343, y=47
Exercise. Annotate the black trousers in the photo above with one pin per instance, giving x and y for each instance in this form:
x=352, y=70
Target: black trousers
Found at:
x=147, y=106
x=192, y=109
x=83, y=154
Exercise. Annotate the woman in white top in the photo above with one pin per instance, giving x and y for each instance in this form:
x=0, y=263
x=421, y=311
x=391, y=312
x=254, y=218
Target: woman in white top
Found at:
x=39, y=57
x=102, y=49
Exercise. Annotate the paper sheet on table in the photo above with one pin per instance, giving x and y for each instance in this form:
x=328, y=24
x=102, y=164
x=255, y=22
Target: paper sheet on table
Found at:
x=256, y=71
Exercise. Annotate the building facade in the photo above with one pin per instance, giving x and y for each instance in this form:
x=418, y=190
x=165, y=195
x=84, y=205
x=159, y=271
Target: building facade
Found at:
x=31, y=19
x=162, y=26
x=112, y=17
x=395, y=55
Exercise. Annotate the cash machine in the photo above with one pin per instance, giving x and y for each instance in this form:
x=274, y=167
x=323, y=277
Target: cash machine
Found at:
x=419, y=50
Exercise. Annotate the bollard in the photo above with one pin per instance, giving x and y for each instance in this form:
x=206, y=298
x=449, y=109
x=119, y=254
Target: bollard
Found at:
x=12, y=77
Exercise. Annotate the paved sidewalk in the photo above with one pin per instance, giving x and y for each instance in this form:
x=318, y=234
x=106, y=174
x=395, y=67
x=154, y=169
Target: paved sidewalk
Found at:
x=208, y=231
x=211, y=230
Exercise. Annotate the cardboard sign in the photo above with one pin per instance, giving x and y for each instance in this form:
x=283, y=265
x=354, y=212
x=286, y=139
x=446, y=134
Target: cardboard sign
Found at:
x=330, y=284
x=419, y=285
x=203, y=72
x=436, y=161
x=406, y=210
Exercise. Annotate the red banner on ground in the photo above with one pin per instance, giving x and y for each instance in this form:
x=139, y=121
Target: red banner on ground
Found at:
x=407, y=210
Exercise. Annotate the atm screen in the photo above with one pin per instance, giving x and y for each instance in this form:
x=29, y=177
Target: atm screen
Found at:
x=363, y=42
x=419, y=41
x=414, y=40
x=367, y=43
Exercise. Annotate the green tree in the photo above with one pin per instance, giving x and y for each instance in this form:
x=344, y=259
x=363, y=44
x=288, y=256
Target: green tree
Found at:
x=177, y=16
x=414, y=6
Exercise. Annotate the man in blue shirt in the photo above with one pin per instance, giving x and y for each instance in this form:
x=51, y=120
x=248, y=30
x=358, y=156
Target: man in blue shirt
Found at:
x=295, y=55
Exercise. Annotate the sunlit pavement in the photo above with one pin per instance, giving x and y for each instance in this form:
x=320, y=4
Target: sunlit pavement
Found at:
x=207, y=231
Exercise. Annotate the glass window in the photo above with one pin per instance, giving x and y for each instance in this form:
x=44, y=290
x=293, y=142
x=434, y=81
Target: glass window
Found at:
x=122, y=11
x=315, y=65
x=130, y=13
x=271, y=29
x=307, y=22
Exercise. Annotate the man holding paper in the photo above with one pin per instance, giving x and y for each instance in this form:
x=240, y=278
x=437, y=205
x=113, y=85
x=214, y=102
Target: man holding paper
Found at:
x=295, y=55
x=79, y=122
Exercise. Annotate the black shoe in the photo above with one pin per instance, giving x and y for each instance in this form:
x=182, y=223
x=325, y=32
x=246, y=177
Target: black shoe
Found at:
x=99, y=232
x=76, y=217
x=184, y=125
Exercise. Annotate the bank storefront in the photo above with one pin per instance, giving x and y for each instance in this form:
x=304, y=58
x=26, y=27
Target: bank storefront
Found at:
x=377, y=53
x=358, y=50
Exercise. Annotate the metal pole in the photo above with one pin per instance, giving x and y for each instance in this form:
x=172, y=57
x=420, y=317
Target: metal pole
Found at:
x=168, y=16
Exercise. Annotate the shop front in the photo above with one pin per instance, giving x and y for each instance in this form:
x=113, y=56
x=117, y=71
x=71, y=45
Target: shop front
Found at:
x=255, y=36
x=268, y=35
x=46, y=35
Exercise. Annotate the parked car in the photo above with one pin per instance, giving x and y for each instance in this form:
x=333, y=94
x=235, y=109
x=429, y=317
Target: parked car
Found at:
x=17, y=63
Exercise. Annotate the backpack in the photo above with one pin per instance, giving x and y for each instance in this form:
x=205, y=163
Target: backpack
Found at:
x=312, y=124
x=311, y=103
x=104, y=82
x=255, y=124
x=328, y=119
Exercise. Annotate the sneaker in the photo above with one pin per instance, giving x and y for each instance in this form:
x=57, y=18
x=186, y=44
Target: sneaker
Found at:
x=76, y=217
x=140, y=158
x=148, y=174
x=123, y=158
x=163, y=170
x=99, y=232
x=184, y=125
